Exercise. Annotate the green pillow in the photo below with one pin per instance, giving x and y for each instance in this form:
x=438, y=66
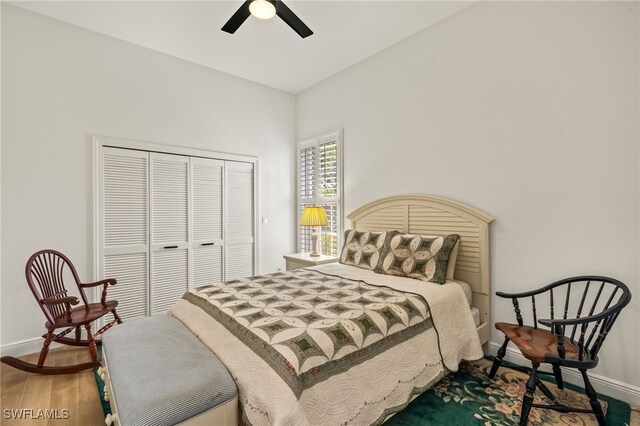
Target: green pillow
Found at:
x=364, y=248
x=422, y=257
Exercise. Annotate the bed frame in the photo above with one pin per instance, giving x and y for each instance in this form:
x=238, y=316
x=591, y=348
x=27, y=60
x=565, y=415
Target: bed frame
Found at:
x=430, y=215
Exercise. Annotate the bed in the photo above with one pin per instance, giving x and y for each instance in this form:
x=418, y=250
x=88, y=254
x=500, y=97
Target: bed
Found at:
x=338, y=344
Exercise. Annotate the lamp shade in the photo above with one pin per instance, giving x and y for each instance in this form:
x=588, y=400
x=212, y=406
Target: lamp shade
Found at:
x=314, y=216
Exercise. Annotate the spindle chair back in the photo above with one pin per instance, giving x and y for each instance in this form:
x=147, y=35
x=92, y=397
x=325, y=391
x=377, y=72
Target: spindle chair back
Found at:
x=582, y=312
x=45, y=273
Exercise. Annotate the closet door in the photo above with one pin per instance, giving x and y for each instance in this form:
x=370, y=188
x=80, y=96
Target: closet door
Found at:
x=124, y=231
x=169, y=229
x=206, y=223
x=239, y=259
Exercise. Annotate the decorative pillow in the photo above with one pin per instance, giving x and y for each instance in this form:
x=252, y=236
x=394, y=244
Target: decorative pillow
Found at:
x=363, y=248
x=423, y=257
x=453, y=258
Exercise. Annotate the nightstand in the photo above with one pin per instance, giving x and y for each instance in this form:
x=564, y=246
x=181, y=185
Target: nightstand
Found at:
x=303, y=260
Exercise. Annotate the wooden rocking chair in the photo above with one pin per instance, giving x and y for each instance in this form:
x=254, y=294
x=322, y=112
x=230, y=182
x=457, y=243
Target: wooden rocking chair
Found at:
x=554, y=345
x=45, y=271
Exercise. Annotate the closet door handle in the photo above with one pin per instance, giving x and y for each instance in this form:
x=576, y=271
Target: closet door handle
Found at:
x=170, y=247
x=208, y=244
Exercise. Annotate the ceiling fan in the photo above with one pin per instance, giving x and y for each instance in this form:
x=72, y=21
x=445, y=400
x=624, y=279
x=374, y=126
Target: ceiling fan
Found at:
x=266, y=9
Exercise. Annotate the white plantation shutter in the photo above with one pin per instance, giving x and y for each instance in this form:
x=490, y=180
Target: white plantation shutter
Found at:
x=132, y=290
x=329, y=235
x=125, y=198
x=206, y=242
x=169, y=229
x=124, y=228
x=304, y=244
x=319, y=174
x=328, y=169
x=307, y=173
x=169, y=275
x=169, y=198
x=167, y=222
x=239, y=259
x=206, y=265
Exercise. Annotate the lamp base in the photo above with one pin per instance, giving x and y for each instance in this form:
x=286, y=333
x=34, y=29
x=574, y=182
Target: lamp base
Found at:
x=314, y=242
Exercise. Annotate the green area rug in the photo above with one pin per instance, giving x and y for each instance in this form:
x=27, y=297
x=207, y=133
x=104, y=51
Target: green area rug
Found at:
x=468, y=397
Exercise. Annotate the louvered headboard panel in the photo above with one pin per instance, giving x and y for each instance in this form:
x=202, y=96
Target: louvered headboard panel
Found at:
x=429, y=215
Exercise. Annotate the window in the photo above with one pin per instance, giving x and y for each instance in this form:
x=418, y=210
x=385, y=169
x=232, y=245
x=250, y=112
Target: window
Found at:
x=320, y=183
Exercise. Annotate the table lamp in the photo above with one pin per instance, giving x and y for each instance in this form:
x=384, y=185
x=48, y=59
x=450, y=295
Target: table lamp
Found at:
x=314, y=216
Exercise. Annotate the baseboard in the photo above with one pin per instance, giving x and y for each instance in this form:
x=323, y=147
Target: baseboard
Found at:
x=609, y=387
x=24, y=347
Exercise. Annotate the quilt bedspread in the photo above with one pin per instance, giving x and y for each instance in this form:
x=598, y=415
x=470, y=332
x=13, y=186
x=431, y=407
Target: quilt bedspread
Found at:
x=309, y=325
x=333, y=344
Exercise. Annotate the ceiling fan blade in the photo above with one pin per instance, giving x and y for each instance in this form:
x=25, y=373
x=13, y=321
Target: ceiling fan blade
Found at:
x=238, y=18
x=292, y=20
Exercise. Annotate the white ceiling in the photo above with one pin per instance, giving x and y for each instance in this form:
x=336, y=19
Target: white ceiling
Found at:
x=267, y=52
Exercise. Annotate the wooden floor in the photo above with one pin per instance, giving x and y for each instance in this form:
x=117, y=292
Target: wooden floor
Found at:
x=76, y=393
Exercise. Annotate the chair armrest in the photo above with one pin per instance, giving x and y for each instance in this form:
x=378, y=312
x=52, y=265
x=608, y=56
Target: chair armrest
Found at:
x=54, y=301
x=108, y=281
x=68, y=301
x=574, y=321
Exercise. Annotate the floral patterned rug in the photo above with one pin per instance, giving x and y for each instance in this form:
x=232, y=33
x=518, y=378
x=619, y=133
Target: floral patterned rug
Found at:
x=469, y=397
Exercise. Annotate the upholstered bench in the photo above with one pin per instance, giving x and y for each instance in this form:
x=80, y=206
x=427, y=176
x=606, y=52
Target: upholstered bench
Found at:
x=158, y=373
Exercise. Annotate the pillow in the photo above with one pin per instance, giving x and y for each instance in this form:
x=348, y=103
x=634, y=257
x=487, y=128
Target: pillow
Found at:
x=453, y=258
x=363, y=248
x=422, y=257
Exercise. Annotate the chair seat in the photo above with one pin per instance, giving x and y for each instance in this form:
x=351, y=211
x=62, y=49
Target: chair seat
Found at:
x=535, y=343
x=83, y=314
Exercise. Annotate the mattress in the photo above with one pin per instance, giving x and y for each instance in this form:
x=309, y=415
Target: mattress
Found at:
x=466, y=288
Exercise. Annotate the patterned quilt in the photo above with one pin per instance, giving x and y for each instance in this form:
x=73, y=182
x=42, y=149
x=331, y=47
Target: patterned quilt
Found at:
x=308, y=325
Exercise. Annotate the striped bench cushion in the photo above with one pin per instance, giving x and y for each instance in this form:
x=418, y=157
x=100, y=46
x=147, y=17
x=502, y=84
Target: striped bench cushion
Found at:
x=161, y=374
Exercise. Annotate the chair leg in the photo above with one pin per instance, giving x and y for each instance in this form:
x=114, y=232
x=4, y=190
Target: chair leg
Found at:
x=527, y=400
x=92, y=343
x=593, y=399
x=558, y=375
x=498, y=359
x=116, y=316
x=78, y=333
x=45, y=348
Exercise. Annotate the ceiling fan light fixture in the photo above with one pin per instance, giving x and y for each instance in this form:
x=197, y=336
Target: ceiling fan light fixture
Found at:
x=262, y=9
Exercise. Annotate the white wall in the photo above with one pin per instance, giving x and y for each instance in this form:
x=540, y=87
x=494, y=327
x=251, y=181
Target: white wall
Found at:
x=528, y=111
x=61, y=85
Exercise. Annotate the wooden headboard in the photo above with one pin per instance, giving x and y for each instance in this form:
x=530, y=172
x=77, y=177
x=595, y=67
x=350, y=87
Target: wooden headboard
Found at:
x=429, y=215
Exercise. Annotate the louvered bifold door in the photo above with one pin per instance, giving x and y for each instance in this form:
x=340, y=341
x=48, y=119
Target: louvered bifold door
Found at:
x=124, y=230
x=239, y=201
x=206, y=221
x=169, y=229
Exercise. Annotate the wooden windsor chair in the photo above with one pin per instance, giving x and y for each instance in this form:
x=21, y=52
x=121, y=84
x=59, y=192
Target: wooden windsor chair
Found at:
x=45, y=272
x=554, y=347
